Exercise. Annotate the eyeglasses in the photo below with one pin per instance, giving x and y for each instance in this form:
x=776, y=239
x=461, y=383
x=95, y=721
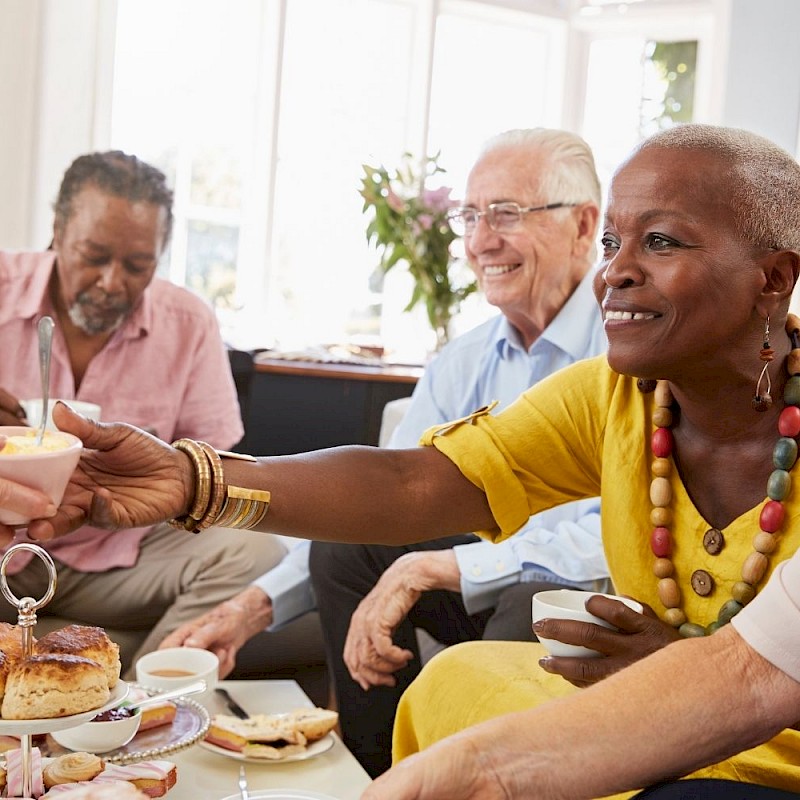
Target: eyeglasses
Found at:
x=500, y=217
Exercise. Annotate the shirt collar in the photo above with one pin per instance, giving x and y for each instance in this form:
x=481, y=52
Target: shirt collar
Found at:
x=569, y=330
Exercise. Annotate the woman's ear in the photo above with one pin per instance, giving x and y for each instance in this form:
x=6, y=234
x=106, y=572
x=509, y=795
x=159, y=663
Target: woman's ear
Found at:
x=781, y=270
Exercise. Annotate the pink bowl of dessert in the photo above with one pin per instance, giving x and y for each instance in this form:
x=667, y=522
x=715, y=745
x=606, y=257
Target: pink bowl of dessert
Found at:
x=46, y=467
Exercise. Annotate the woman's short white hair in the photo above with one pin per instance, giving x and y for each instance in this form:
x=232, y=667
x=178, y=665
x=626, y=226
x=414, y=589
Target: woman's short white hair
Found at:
x=571, y=176
x=764, y=186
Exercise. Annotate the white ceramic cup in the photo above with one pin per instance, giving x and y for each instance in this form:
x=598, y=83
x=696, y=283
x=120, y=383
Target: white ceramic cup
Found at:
x=48, y=471
x=33, y=411
x=571, y=604
x=178, y=666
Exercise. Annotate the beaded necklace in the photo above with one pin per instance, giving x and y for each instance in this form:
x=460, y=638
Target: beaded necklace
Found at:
x=755, y=566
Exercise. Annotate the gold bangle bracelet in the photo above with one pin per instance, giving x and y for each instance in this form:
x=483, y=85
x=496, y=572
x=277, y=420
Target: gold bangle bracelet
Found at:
x=202, y=491
x=217, y=487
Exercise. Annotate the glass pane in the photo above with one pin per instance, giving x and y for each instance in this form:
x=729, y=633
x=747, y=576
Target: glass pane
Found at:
x=184, y=94
x=488, y=76
x=351, y=109
x=634, y=87
x=211, y=252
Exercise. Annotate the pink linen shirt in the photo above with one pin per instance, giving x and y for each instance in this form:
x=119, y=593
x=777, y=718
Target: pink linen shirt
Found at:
x=165, y=369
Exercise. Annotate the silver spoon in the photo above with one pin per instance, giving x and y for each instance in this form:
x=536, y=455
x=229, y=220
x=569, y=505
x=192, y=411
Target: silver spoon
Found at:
x=46, y=326
x=190, y=688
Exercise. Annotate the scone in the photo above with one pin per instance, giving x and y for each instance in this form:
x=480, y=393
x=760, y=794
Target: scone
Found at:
x=11, y=640
x=47, y=685
x=87, y=641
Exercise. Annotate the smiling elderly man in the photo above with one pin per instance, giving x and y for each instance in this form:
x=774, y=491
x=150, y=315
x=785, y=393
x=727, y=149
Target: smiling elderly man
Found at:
x=148, y=353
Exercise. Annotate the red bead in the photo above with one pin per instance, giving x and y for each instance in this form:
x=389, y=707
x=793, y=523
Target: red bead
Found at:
x=772, y=515
x=662, y=442
x=661, y=542
x=789, y=422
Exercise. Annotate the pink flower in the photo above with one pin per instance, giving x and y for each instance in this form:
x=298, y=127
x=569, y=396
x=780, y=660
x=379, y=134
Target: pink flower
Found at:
x=437, y=199
x=425, y=221
x=395, y=202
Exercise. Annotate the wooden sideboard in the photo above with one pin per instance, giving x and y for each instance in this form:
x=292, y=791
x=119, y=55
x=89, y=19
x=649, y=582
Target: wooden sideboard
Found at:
x=295, y=406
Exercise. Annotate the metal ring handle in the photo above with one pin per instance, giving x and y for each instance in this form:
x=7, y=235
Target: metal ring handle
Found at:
x=48, y=562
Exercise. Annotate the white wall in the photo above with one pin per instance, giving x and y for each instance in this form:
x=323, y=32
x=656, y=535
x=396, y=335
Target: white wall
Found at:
x=762, y=88
x=56, y=58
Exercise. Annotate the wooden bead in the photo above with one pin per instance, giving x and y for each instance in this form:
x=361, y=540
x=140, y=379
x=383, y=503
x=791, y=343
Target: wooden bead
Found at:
x=691, y=630
x=661, y=517
x=791, y=392
x=765, y=543
x=771, y=517
x=661, y=467
x=728, y=612
x=789, y=421
x=661, y=492
x=793, y=362
x=674, y=617
x=784, y=454
x=645, y=385
x=792, y=324
x=663, y=394
x=754, y=568
x=742, y=592
x=778, y=484
x=669, y=593
x=661, y=542
x=662, y=417
x=661, y=442
x=663, y=568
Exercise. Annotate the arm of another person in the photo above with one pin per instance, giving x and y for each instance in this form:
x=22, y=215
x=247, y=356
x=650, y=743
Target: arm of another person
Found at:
x=715, y=692
x=272, y=601
x=127, y=478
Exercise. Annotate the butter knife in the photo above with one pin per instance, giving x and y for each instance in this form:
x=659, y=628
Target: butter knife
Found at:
x=232, y=705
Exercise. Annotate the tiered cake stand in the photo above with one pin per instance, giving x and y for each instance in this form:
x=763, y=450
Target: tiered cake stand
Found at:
x=26, y=620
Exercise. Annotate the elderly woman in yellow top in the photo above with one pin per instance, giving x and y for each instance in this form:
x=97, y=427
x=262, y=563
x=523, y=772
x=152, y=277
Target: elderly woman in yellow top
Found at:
x=687, y=430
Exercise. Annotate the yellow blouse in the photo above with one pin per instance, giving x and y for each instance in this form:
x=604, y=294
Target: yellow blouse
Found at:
x=583, y=432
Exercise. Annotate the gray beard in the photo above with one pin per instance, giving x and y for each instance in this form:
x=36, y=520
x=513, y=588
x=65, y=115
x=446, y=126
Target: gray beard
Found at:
x=89, y=326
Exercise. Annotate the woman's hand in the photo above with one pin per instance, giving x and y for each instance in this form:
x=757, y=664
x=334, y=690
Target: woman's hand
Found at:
x=125, y=479
x=637, y=636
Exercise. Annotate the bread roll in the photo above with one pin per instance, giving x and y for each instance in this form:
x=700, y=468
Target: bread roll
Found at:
x=49, y=685
x=87, y=641
x=313, y=723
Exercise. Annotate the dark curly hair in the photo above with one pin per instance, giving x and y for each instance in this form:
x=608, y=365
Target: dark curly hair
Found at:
x=116, y=173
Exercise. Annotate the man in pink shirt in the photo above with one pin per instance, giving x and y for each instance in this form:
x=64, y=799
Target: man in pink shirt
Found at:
x=149, y=353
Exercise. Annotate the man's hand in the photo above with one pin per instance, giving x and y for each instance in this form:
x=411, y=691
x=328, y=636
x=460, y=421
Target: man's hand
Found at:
x=369, y=652
x=125, y=479
x=637, y=636
x=224, y=629
x=11, y=412
x=453, y=767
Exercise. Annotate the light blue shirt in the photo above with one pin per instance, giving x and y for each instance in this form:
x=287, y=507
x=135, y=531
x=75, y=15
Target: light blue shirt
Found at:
x=490, y=363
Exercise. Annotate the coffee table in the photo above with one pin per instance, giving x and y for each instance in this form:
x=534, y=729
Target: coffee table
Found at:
x=204, y=775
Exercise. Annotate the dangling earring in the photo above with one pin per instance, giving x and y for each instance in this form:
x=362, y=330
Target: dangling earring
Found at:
x=761, y=402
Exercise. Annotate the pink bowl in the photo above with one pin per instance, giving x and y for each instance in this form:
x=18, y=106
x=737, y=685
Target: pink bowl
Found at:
x=48, y=471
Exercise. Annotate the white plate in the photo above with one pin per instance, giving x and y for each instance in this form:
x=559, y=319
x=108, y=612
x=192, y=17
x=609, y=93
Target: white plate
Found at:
x=314, y=749
x=281, y=794
x=17, y=727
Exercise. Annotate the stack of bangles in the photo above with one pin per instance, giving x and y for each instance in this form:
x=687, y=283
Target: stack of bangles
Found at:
x=215, y=502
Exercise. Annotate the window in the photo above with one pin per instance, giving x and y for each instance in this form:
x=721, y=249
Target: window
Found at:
x=262, y=114
x=263, y=111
